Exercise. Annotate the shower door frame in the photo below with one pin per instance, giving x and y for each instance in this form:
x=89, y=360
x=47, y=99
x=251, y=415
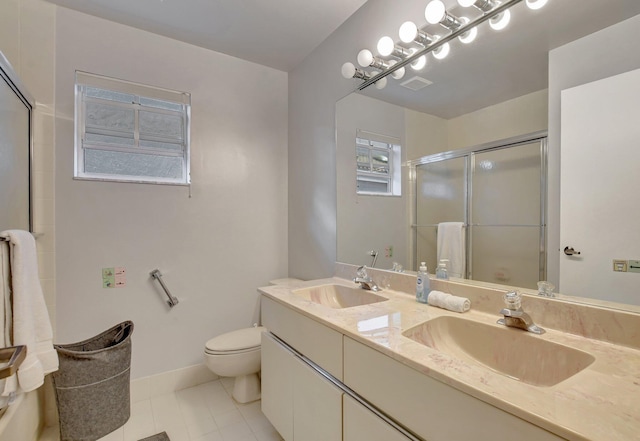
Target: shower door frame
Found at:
x=469, y=155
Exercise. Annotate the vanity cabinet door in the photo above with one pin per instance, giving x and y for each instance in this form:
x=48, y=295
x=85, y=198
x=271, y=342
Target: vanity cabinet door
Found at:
x=360, y=424
x=300, y=403
x=277, y=368
x=317, y=406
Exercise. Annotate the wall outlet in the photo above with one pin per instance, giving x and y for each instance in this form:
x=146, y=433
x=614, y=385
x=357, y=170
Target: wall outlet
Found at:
x=620, y=266
x=634, y=266
x=388, y=251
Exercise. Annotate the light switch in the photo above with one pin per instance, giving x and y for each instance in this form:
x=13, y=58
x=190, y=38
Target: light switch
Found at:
x=634, y=266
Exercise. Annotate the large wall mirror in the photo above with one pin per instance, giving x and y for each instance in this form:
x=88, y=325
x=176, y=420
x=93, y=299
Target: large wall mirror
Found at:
x=533, y=79
x=16, y=107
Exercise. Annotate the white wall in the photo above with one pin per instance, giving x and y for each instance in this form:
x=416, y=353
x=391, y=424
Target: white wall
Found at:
x=515, y=117
x=600, y=55
x=214, y=248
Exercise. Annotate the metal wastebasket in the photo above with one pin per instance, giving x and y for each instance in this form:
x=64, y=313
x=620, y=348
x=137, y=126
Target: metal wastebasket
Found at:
x=92, y=384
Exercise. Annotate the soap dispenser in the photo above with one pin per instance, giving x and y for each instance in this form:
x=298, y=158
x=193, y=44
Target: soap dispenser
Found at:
x=441, y=271
x=423, y=286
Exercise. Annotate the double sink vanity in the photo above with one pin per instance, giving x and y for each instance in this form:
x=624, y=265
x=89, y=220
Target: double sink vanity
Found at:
x=343, y=363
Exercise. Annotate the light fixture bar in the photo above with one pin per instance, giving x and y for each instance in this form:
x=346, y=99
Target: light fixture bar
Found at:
x=441, y=42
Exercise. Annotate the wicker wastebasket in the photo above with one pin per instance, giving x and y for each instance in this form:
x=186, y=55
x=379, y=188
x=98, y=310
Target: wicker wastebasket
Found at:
x=92, y=384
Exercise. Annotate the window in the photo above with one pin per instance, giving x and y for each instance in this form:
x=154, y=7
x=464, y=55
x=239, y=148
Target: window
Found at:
x=378, y=161
x=130, y=132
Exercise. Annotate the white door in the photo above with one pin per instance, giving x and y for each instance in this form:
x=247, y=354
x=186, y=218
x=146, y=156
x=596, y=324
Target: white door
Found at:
x=600, y=204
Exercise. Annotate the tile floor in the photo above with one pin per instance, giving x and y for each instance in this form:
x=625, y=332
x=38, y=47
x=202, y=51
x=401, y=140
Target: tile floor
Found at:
x=202, y=413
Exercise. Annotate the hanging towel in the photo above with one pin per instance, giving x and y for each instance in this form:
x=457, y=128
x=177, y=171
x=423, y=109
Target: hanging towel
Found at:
x=31, y=323
x=451, y=245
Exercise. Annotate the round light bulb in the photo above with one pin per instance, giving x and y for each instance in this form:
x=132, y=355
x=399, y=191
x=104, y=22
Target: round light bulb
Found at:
x=500, y=21
x=442, y=52
x=348, y=70
x=420, y=63
x=466, y=3
x=536, y=4
x=381, y=83
x=385, y=46
x=408, y=32
x=435, y=11
x=365, y=58
x=470, y=35
x=397, y=74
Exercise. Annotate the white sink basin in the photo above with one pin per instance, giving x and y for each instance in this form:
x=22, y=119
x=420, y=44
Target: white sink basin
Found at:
x=513, y=352
x=338, y=296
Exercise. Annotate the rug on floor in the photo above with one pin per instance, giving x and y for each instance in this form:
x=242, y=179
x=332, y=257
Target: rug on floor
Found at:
x=158, y=437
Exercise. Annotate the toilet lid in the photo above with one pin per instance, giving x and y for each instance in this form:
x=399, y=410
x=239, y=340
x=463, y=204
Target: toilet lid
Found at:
x=234, y=341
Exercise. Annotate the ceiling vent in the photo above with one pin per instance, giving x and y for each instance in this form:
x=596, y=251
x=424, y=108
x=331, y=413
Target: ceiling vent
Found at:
x=416, y=83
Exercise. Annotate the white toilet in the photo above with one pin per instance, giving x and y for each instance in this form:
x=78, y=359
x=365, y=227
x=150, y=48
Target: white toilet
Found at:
x=237, y=354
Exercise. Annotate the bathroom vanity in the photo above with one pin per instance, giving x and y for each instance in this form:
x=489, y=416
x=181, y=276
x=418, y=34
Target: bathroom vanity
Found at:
x=352, y=367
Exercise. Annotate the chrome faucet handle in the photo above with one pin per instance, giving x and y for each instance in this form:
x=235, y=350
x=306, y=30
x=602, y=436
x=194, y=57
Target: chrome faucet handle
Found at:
x=361, y=272
x=513, y=300
x=515, y=317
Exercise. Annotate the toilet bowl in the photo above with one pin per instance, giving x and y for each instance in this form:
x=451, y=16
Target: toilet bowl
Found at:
x=237, y=354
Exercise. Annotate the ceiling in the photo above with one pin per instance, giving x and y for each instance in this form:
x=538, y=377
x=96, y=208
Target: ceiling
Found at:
x=274, y=33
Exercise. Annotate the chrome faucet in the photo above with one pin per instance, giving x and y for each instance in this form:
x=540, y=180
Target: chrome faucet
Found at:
x=515, y=317
x=365, y=281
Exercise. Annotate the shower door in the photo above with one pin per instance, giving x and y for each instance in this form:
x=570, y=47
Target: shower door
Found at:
x=499, y=193
x=441, y=194
x=507, y=231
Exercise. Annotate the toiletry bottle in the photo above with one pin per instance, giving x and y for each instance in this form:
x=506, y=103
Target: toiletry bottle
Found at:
x=441, y=271
x=422, y=284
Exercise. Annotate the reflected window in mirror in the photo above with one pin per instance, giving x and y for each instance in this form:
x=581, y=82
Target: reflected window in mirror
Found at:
x=378, y=160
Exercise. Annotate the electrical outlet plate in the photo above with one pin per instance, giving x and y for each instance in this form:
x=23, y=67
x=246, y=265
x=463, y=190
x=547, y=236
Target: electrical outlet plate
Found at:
x=620, y=266
x=634, y=266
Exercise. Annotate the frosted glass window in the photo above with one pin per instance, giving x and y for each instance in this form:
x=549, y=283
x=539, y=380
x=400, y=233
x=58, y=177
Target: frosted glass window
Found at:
x=131, y=132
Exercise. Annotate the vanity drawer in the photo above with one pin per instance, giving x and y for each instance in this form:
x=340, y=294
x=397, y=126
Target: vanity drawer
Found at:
x=427, y=407
x=320, y=344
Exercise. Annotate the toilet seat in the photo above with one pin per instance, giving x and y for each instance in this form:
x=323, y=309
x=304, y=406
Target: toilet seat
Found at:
x=235, y=342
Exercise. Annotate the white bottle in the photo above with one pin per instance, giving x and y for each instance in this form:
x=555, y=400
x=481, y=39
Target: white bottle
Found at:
x=423, y=287
x=441, y=271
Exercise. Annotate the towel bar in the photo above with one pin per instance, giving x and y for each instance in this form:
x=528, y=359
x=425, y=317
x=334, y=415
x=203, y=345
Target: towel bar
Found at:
x=13, y=356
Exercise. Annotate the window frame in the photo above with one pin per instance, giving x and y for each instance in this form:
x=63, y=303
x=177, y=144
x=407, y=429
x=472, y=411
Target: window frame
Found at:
x=85, y=80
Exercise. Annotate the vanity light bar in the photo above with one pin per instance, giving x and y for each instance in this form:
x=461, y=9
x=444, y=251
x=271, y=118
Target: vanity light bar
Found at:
x=461, y=28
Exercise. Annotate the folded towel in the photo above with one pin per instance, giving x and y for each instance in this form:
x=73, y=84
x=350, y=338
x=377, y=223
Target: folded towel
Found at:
x=31, y=323
x=449, y=302
x=451, y=245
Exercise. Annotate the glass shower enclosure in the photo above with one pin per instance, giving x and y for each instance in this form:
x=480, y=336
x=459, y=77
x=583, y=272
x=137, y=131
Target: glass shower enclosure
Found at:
x=498, y=191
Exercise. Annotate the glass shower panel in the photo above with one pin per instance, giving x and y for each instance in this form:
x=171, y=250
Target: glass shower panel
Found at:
x=440, y=197
x=506, y=255
x=506, y=229
x=506, y=186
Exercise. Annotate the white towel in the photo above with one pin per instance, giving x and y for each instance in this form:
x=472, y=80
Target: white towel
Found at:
x=449, y=302
x=31, y=323
x=451, y=245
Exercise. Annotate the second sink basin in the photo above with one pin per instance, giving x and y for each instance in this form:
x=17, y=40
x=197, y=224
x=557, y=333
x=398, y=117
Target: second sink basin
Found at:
x=338, y=296
x=512, y=352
